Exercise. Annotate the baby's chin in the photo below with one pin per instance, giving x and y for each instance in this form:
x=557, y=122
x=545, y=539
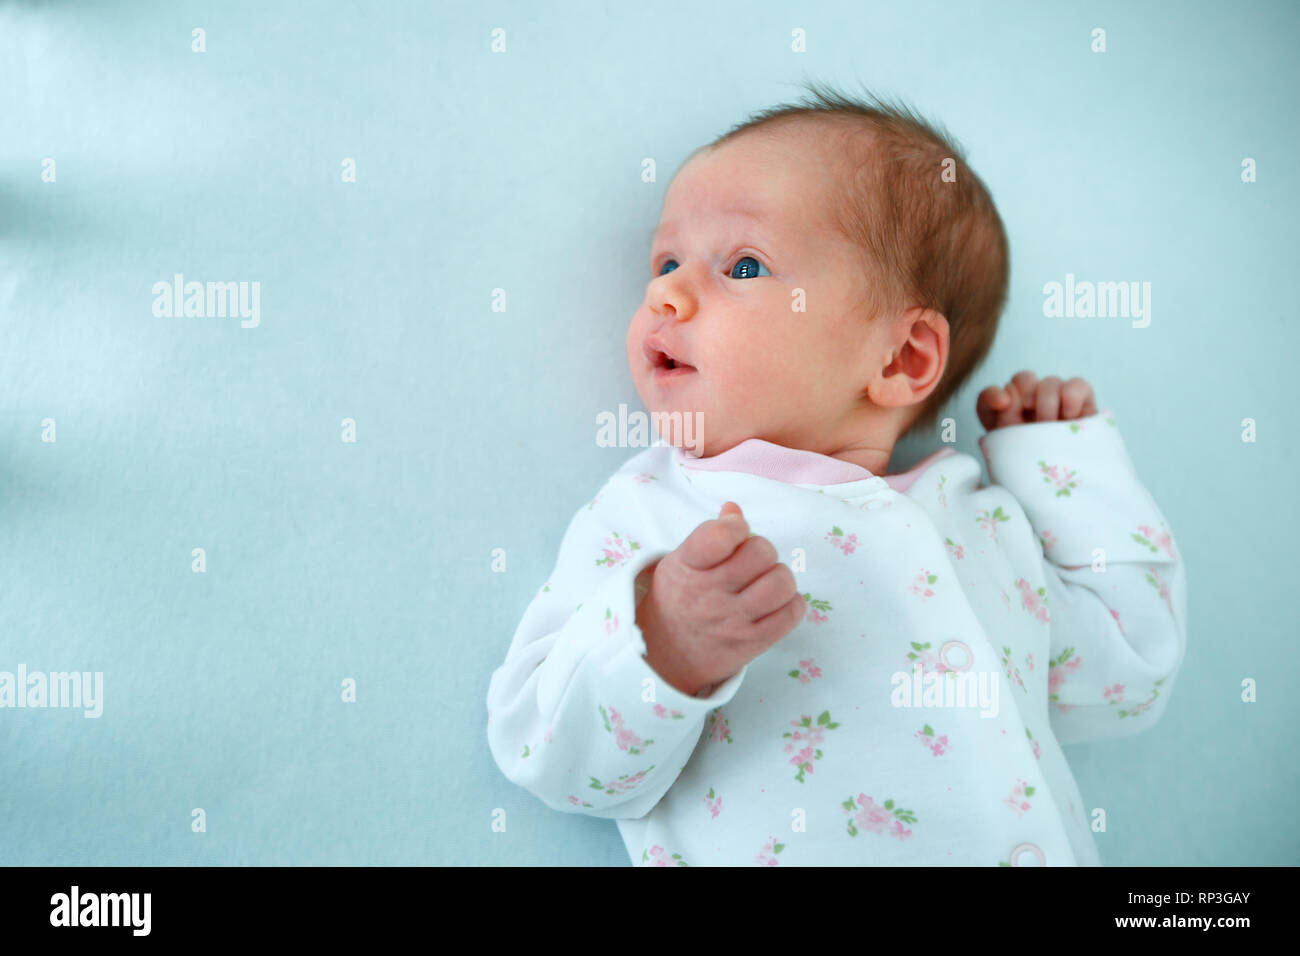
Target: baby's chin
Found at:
x=691, y=432
x=699, y=429
x=682, y=428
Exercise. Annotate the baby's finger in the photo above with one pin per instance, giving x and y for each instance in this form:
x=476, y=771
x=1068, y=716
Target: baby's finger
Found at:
x=770, y=629
x=1074, y=394
x=713, y=541
x=1027, y=382
x=769, y=593
x=987, y=405
x=1089, y=406
x=751, y=560
x=1013, y=413
x=1048, y=402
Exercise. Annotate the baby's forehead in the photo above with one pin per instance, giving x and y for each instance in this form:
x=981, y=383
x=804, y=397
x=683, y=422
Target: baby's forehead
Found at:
x=766, y=173
x=814, y=142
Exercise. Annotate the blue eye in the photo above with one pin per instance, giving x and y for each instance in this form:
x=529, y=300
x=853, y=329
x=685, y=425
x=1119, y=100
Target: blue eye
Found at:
x=746, y=267
x=750, y=268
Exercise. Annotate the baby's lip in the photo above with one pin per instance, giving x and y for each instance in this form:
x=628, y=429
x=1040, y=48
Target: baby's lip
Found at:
x=662, y=355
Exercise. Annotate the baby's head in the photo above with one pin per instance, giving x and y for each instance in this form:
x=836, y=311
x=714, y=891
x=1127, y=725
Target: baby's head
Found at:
x=823, y=277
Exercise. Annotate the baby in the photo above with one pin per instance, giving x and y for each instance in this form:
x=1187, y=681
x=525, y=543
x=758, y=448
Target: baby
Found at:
x=770, y=650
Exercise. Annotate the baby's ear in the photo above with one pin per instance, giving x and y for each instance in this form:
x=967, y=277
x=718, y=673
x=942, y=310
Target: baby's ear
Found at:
x=919, y=356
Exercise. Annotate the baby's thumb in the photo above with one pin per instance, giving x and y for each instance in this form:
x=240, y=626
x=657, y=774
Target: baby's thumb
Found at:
x=730, y=508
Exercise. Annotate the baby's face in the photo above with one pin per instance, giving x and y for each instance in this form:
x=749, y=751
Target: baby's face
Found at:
x=743, y=227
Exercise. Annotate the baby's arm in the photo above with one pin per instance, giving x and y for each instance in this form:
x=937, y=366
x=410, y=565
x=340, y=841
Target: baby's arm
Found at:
x=575, y=714
x=1115, y=587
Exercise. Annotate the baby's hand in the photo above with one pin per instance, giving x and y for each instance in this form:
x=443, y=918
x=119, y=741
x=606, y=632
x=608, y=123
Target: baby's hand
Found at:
x=716, y=603
x=1025, y=399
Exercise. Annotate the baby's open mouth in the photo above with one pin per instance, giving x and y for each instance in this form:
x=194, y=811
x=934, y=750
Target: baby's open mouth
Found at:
x=662, y=361
x=668, y=367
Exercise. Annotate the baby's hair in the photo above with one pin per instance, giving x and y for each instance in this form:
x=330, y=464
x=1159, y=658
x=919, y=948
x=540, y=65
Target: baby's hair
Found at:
x=928, y=239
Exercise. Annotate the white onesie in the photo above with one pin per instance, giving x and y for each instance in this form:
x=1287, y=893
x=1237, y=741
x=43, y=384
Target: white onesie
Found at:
x=955, y=637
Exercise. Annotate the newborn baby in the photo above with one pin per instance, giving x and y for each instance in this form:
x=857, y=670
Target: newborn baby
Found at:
x=765, y=648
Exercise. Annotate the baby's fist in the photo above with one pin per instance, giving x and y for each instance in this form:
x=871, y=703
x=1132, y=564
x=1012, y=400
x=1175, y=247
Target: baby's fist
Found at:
x=1025, y=399
x=716, y=603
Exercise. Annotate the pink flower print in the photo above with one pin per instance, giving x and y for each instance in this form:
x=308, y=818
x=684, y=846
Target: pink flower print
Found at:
x=1060, y=477
x=718, y=728
x=1160, y=584
x=623, y=784
x=1114, y=693
x=1115, y=614
x=927, y=659
x=1029, y=662
x=921, y=655
x=806, y=671
x=616, y=550
x=837, y=538
x=663, y=713
x=1012, y=672
x=1155, y=540
x=937, y=747
x=943, y=497
x=576, y=802
x=1049, y=540
x=592, y=503
x=1018, y=801
x=1038, y=754
x=1145, y=705
x=1136, y=709
x=803, y=760
x=921, y=584
x=611, y=621
x=1006, y=600
x=1056, y=672
x=988, y=520
x=877, y=818
x=658, y=856
x=644, y=478
x=817, y=608
x=954, y=550
x=767, y=855
x=806, y=736
x=714, y=803
x=1035, y=602
x=624, y=738
x=873, y=818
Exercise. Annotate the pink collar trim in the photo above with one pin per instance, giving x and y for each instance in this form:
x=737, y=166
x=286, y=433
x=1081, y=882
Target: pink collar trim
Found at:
x=795, y=466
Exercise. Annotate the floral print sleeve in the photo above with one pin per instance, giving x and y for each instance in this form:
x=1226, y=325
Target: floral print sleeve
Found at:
x=575, y=714
x=1113, y=591
x=954, y=636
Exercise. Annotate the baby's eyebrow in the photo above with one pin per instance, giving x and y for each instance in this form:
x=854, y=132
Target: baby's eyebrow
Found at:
x=753, y=215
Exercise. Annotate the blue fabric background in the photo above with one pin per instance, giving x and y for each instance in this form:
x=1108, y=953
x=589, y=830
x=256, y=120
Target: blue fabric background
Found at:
x=370, y=560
